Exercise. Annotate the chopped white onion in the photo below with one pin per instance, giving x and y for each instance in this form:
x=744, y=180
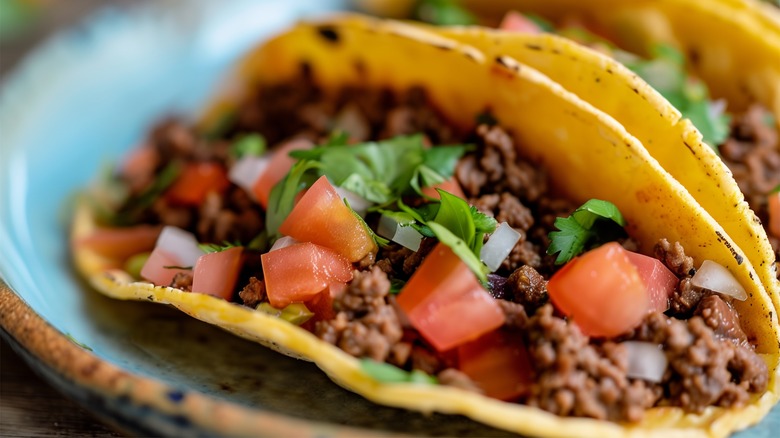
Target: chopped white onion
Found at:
x=247, y=170
x=646, y=361
x=499, y=245
x=399, y=233
x=283, y=242
x=712, y=276
x=180, y=244
x=357, y=202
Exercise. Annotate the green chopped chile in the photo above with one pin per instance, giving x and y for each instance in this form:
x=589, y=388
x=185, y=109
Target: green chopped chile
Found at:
x=386, y=373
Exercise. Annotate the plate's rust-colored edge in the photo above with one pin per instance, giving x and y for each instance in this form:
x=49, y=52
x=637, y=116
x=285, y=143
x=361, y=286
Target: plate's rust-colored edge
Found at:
x=85, y=369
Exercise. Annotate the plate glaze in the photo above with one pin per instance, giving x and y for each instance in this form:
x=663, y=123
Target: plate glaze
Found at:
x=79, y=103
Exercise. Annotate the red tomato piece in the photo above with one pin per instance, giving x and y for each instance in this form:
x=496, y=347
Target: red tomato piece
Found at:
x=278, y=166
x=498, y=363
x=601, y=291
x=774, y=214
x=297, y=273
x=450, y=186
x=516, y=22
x=195, y=182
x=658, y=279
x=155, y=269
x=121, y=243
x=322, y=217
x=445, y=302
x=216, y=273
x=322, y=305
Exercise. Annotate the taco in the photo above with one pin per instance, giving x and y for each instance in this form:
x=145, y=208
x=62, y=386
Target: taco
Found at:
x=675, y=37
x=435, y=318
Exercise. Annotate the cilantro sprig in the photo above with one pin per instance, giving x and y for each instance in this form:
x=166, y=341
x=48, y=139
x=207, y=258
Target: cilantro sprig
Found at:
x=386, y=373
x=250, y=144
x=594, y=223
x=443, y=12
x=665, y=71
x=210, y=248
x=381, y=172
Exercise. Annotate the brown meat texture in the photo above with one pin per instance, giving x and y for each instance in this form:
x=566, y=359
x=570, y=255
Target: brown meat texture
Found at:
x=703, y=368
x=527, y=287
x=577, y=378
x=365, y=324
x=253, y=293
x=722, y=319
x=752, y=152
x=182, y=280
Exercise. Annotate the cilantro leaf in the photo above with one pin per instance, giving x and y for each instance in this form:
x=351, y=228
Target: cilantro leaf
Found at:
x=455, y=215
x=461, y=249
x=665, y=71
x=379, y=240
x=443, y=12
x=386, y=373
x=282, y=198
x=210, y=248
x=595, y=222
x=250, y=144
x=128, y=214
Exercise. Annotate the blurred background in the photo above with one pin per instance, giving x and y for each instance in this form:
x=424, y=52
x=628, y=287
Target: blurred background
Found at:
x=28, y=406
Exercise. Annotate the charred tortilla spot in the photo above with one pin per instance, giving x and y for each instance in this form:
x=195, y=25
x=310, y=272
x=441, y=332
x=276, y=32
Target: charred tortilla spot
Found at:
x=733, y=251
x=689, y=147
x=534, y=47
x=329, y=34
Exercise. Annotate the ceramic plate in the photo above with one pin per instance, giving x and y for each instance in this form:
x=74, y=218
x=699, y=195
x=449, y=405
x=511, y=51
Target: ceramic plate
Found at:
x=78, y=104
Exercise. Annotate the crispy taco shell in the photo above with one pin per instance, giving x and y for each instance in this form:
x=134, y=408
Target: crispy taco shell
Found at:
x=674, y=142
x=586, y=152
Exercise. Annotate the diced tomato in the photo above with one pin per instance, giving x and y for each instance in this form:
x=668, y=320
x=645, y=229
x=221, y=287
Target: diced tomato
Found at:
x=196, y=181
x=601, y=291
x=516, y=22
x=322, y=217
x=322, y=305
x=449, y=186
x=774, y=214
x=278, y=166
x=498, y=363
x=121, y=243
x=445, y=302
x=658, y=279
x=155, y=269
x=216, y=273
x=297, y=273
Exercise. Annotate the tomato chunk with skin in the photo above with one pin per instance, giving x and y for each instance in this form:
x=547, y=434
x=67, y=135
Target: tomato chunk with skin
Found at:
x=159, y=267
x=121, y=243
x=195, y=182
x=516, y=22
x=601, y=291
x=278, y=166
x=658, y=279
x=321, y=217
x=445, y=302
x=216, y=273
x=450, y=186
x=498, y=363
x=297, y=273
x=774, y=214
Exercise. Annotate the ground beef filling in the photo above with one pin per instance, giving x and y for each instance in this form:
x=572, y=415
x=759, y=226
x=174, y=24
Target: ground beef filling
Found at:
x=710, y=360
x=752, y=152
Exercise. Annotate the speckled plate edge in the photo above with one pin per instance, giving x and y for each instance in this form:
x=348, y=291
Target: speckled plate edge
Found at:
x=140, y=405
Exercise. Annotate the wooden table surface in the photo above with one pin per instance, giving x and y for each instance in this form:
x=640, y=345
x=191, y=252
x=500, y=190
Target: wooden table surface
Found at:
x=29, y=407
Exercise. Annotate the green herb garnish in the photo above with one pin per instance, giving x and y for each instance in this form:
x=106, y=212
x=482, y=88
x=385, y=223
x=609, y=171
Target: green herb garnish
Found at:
x=595, y=222
x=665, y=71
x=128, y=214
x=386, y=373
x=250, y=144
x=295, y=313
x=443, y=12
x=210, y=248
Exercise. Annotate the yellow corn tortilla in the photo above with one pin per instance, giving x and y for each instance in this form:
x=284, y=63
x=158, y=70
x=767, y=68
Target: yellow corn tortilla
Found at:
x=586, y=152
x=674, y=142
